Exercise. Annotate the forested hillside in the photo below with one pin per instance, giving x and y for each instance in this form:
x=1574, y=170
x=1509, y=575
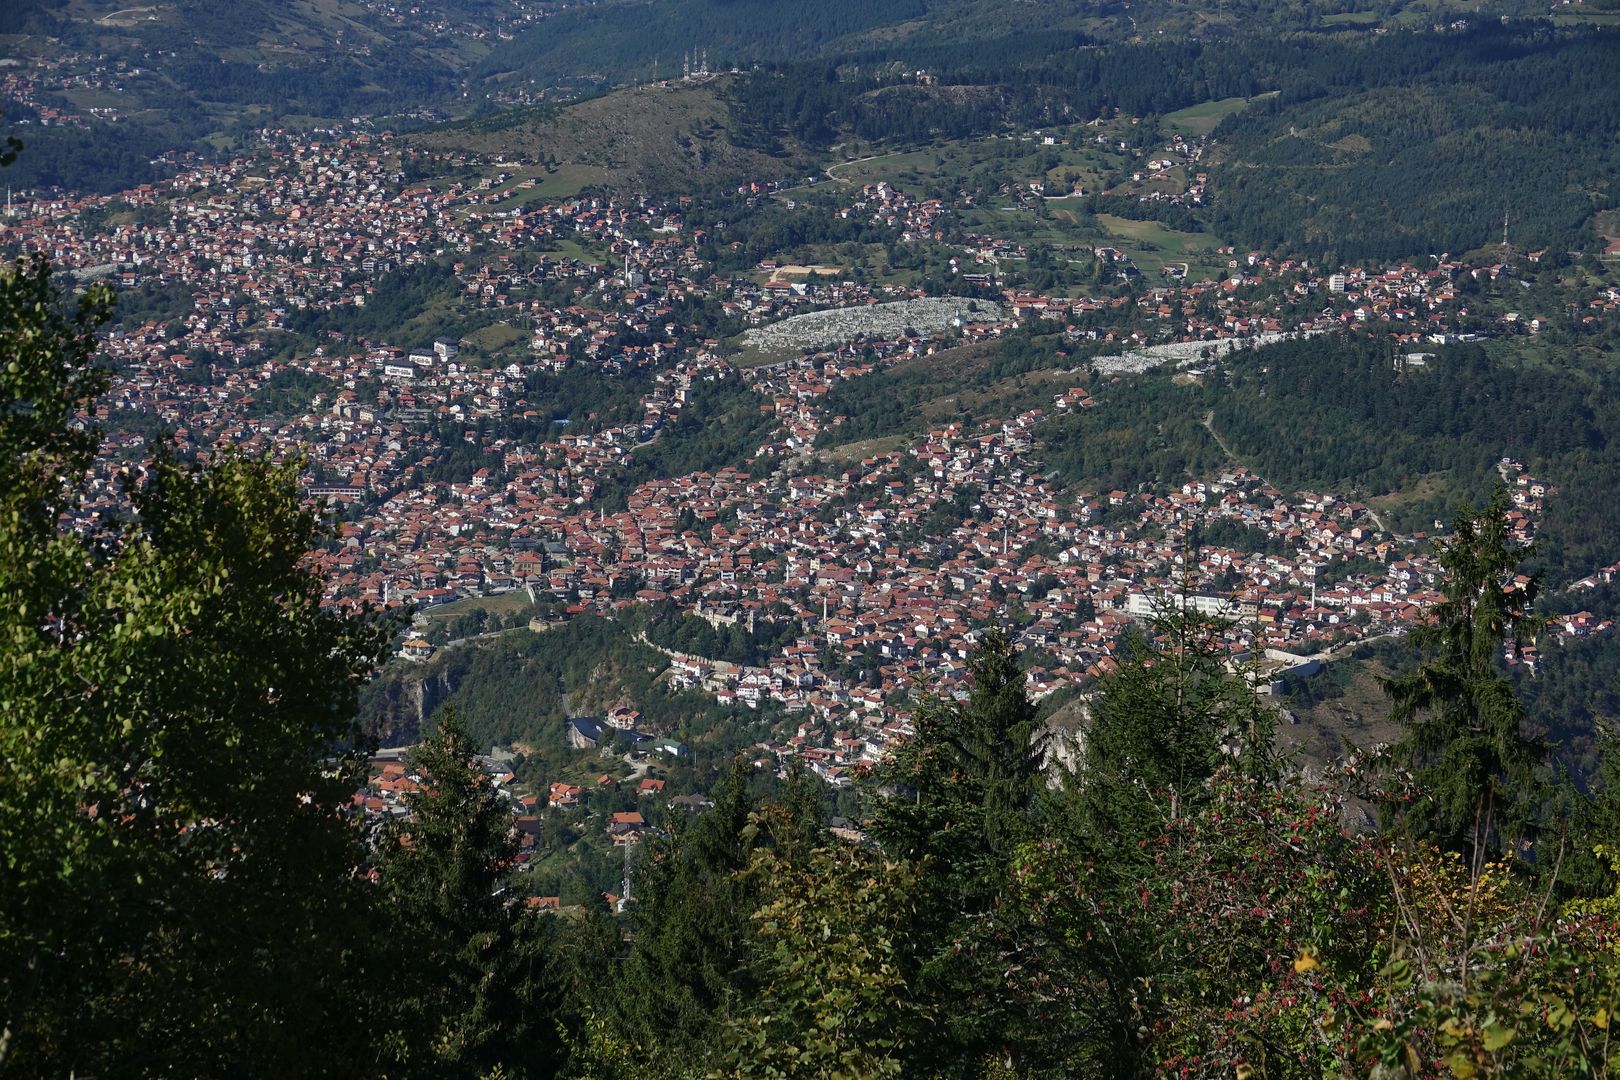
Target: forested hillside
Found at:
x=1334, y=413
x=638, y=41
x=1407, y=142
x=1394, y=163
x=1348, y=414
x=1366, y=147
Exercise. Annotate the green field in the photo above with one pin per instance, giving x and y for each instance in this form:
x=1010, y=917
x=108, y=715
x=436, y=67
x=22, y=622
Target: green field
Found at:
x=1593, y=18
x=86, y=98
x=568, y=248
x=746, y=358
x=1203, y=118
x=1351, y=18
x=903, y=165
x=560, y=182
x=1149, y=244
x=862, y=448
x=1152, y=244
x=550, y=185
x=1607, y=223
x=495, y=337
x=504, y=604
x=982, y=166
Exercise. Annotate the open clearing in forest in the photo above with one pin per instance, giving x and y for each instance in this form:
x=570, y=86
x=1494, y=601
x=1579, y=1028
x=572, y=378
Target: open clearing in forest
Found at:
x=1201, y=119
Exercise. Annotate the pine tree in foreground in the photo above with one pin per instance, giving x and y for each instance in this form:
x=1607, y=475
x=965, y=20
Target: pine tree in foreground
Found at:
x=473, y=989
x=1477, y=770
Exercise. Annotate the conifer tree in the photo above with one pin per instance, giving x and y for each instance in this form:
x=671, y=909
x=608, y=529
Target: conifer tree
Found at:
x=473, y=991
x=956, y=801
x=691, y=969
x=687, y=972
x=1479, y=772
x=965, y=784
x=1160, y=728
x=1161, y=725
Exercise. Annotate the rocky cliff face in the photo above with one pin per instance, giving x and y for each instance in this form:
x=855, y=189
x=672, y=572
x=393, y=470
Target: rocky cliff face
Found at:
x=395, y=707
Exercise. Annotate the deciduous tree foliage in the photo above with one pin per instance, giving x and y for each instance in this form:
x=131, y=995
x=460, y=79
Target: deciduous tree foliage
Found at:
x=176, y=712
x=831, y=945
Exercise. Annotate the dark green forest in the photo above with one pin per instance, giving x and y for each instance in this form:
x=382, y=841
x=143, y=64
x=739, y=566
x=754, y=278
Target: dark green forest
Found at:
x=404, y=301
x=640, y=40
x=1333, y=412
x=1147, y=431
x=720, y=426
x=1517, y=125
x=736, y=643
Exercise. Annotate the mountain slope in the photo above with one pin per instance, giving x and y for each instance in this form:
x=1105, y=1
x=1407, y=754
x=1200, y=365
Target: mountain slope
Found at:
x=181, y=71
x=677, y=138
x=1526, y=125
x=644, y=40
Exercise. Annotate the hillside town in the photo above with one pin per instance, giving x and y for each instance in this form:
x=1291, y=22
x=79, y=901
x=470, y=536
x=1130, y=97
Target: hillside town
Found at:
x=454, y=481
